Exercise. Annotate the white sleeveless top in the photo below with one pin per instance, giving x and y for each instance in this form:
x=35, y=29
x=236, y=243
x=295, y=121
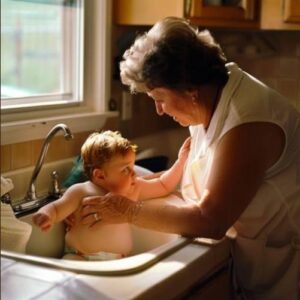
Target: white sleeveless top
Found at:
x=266, y=243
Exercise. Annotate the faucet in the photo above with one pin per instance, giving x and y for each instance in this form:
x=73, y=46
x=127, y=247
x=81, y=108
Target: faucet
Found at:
x=31, y=192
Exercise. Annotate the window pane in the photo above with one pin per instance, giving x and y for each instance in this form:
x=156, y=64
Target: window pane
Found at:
x=41, y=53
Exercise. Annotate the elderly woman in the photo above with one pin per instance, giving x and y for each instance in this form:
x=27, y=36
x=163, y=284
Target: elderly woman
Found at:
x=243, y=170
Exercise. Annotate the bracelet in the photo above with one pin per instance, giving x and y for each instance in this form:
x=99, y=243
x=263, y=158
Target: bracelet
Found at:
x=134, y=211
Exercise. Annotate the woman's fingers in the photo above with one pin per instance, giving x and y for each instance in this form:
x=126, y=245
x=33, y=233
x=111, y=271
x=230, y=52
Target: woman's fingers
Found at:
x=69, y=222
x=88, y=209
x=90, y=214
x=110, y=208
x=91, y=200
x=94, y=204
x=91, y=221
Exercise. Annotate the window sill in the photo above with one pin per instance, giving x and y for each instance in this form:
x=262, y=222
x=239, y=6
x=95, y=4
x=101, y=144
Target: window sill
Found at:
x=22, y=131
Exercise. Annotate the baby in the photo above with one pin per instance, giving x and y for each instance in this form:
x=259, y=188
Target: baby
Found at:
x=108, y=161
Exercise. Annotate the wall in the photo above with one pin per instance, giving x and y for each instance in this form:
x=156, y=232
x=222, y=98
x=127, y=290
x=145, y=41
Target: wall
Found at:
x=23, y=155
x=271, y=56
x=145, y=120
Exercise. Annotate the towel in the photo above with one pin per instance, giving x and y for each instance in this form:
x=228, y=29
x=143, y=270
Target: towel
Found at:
x=6, y=185
x=15, y=234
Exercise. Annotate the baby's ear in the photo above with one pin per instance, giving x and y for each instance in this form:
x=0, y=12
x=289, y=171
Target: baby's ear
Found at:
x=98, y=174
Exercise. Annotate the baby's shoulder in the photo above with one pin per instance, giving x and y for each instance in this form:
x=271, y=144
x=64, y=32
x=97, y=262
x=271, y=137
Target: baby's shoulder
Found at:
x=79, y=188
x=93, y=189
x=87, y=188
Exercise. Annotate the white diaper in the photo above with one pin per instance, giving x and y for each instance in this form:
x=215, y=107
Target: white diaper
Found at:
x=93, y=257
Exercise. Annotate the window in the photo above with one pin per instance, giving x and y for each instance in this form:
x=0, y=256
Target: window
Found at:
x=79, y=93
x=41, y=52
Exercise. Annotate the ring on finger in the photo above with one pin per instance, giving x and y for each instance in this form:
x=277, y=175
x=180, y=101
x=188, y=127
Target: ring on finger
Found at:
x=96, y=217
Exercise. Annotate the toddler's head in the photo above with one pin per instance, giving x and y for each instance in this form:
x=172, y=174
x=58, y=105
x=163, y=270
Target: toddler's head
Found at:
x=109, y=152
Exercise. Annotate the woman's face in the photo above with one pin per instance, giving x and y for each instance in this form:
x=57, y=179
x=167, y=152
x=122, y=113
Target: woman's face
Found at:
x=179, y=106
x=119, y=174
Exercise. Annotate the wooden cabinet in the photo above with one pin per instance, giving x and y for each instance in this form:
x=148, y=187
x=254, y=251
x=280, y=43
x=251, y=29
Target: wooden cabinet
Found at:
x=291, y=11
x=256, y=14
x=216, y=287
x=146, y=12
x=280, y=14
x=240, y=14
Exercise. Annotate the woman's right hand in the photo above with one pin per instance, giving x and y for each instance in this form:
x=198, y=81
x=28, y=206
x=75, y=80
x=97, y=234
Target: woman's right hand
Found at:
x=108, y=209
x=69, y=222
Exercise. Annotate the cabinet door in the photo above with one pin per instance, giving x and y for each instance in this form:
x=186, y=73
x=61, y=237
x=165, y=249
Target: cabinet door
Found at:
x=291, y=11
x=280, y=14
x=146, y=12
x=217, y=287
x=214, y=13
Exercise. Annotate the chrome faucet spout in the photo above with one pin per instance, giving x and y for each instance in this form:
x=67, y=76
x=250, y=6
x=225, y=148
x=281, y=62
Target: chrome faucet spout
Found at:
x=31, y=192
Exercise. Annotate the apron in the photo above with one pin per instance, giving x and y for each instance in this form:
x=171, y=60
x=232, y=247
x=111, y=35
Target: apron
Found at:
x=265, y=240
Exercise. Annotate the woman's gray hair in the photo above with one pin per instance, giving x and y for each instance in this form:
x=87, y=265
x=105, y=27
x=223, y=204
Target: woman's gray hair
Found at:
x=171, y=28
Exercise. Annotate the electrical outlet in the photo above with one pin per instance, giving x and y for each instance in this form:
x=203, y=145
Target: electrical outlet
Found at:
x=126, y=106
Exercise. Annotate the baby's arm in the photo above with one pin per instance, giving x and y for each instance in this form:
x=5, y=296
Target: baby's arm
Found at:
x=168, y=180
x=58, y=210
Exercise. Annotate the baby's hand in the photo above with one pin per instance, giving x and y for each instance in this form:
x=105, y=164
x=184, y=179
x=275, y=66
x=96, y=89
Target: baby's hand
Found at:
x=42, y=220
x=185, y=149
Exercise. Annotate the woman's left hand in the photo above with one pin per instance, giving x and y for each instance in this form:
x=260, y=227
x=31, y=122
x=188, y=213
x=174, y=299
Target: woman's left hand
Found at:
x=69, y=222
x=111, y=208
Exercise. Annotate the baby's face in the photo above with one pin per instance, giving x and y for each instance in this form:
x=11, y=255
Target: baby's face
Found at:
x=119, y=173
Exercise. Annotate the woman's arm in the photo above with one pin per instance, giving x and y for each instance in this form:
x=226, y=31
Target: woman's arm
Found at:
x=240, y=161
x=168, y=180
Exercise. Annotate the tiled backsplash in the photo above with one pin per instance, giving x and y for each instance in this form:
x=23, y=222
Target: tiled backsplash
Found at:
x=272, y=57
x=43, y=184
x=23, y=155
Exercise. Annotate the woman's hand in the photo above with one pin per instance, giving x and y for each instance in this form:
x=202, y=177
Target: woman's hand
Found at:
x=185, y=149
x=69, y=222
x=111, y=208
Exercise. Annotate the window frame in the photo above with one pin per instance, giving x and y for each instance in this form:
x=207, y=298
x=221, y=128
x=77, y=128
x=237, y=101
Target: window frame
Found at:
x=26, y=124
x=71, y=60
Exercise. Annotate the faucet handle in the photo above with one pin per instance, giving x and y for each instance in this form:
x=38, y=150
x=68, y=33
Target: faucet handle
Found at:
x=6, y=199
x=54, y=189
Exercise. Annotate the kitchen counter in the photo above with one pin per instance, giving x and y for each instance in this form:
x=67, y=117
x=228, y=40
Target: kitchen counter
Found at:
x=170, y=278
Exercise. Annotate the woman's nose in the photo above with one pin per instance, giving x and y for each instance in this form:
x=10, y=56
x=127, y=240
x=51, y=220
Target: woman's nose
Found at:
x=159, y=109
